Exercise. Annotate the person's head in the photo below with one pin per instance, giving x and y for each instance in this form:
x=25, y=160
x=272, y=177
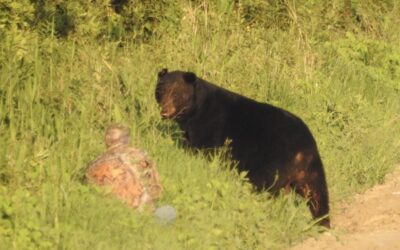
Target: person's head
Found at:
x=116, y=135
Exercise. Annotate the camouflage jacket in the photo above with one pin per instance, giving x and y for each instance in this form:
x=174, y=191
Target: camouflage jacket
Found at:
x=127, y=173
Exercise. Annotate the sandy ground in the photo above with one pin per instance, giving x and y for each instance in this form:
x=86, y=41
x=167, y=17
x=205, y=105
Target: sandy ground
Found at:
x=368, y=221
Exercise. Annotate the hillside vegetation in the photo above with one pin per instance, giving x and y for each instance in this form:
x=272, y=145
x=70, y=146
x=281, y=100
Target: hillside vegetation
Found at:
x=70, y=68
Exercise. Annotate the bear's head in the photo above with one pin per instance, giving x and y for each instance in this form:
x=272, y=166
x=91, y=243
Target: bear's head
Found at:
x=175, y=93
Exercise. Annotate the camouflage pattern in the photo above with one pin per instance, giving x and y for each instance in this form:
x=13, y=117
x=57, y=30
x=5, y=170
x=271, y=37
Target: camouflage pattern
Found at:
x=125, y=171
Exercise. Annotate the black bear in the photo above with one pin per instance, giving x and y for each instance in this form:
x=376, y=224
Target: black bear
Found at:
x=274, y=146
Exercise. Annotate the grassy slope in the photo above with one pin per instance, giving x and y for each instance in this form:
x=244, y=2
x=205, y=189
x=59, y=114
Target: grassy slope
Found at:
x=56, y=102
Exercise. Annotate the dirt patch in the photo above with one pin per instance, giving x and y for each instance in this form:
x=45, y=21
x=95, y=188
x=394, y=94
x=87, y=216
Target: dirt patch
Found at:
x=369, y=221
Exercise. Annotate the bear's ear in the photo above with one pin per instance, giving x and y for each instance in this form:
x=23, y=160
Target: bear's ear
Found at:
x=189, y=77
x=162, y=73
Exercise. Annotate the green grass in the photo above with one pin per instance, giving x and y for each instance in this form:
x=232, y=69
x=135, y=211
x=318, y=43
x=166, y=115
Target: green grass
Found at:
x=57, y=96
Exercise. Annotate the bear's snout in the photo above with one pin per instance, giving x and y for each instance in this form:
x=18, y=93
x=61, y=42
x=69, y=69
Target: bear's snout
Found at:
x=165, y=114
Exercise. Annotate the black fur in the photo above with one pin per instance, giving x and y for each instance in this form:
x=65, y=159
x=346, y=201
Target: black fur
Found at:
x=273, y=145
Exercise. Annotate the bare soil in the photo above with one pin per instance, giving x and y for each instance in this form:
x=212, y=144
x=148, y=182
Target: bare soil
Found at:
x=368, y=221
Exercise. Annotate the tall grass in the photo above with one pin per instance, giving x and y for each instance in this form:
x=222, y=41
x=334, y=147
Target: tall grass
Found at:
x=57, y=96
